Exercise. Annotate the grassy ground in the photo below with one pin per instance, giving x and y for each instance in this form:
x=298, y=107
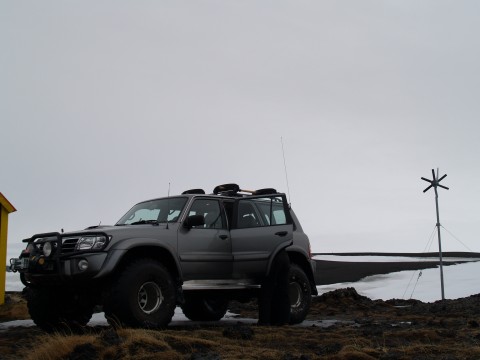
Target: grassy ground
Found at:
x=368, y=330
x=15, y=308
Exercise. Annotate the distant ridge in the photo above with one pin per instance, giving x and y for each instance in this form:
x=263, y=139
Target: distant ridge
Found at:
x=338, y=271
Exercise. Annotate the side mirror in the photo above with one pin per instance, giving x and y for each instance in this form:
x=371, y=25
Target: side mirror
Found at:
x=194, y=220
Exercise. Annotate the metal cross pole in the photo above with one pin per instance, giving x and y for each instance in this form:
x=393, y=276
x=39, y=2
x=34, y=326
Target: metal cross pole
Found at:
x=435, y=183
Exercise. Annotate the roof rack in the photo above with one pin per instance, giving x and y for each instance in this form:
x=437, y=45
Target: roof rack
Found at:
x=234, y=190
x=226, y=189
x=194, y=191
x=266, y=191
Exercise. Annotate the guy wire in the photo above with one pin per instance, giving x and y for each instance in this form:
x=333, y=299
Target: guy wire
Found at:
x=426, y=249
x=456, y=238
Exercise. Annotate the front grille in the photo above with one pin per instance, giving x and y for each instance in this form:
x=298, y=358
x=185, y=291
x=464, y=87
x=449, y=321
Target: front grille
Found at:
x=68, y=245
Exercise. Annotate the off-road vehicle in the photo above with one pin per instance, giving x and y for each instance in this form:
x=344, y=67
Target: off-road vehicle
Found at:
x=195, y=250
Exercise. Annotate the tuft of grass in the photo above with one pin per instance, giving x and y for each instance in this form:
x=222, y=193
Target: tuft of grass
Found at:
x=54, y=347
x=269, y=343
x=354, y=354
x=14, y=308
x=132, y=344
x=141, y=344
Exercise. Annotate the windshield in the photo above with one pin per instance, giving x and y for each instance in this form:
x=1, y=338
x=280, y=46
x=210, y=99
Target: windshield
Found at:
x=161, y=210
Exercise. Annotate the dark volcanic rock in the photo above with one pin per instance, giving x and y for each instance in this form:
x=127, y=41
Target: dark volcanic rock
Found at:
x=239, y=331
x=83, y=352
x=205, y=356
x=110, y=337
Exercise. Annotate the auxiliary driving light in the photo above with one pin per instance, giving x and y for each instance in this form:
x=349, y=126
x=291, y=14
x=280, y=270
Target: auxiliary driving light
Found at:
x=30, y=248
x=83, y=265
x=47, y=249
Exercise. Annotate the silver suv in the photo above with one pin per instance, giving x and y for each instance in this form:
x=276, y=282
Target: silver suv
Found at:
x=195, y=250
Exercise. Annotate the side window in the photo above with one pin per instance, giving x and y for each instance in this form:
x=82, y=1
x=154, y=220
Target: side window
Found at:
x=267, y=211
x=272, y=210
x=247, y=216
x=211, y=210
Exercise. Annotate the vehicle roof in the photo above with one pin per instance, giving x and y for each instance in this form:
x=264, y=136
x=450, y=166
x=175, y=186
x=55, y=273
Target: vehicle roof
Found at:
x=225, y=191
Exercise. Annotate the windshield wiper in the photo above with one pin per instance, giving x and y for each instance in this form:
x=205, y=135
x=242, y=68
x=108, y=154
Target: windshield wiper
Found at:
x=140, y=222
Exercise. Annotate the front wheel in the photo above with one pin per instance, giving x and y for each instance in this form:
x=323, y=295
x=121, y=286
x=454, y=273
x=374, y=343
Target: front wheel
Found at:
x=199, y=307
x=57, y=308
x=143, y=296
x=300, y=294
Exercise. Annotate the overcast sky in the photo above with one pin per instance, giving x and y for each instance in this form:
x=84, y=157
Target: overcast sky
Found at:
x=104, y=103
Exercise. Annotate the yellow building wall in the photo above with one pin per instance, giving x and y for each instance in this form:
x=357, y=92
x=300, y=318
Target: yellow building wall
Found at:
x=5, y=209
x=3, y=251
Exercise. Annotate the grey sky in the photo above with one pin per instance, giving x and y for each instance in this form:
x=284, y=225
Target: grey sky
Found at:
x=103, y=103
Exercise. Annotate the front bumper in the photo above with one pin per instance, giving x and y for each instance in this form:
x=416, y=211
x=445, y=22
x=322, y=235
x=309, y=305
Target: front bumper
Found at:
x=62, y=260
x=38, y=269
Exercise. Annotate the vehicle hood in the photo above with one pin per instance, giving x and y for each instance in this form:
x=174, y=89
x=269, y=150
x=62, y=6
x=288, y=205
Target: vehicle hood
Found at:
x=126, y=231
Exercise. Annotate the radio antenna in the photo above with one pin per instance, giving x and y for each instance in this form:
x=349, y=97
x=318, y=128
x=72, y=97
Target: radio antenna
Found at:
x=168, y=204
x=285, y=167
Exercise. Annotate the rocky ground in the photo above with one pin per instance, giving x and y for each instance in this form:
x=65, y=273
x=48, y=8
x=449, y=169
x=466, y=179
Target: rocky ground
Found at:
x=360, y=328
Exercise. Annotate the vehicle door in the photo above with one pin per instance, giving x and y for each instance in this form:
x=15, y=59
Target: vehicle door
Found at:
x=205, y=251
x=261, y=227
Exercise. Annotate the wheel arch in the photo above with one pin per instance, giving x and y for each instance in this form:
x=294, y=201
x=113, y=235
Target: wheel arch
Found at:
x=156, y=253
x=300, y=260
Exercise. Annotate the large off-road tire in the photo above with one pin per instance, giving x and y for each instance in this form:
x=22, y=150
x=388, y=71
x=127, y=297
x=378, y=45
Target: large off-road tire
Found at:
x=58, y=309
x=300, y=294
x=201, y=307
x=143, y=295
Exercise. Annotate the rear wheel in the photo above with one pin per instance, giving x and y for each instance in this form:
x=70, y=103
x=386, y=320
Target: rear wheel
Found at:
x=201, y=307
x=143, y=296
x=300, y=294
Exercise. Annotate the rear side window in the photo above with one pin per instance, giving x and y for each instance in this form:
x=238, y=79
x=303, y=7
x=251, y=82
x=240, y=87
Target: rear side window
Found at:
x=256, y=212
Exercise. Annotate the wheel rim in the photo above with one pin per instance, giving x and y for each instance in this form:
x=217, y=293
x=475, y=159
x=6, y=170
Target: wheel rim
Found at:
x=295, y=293
x=149, y=297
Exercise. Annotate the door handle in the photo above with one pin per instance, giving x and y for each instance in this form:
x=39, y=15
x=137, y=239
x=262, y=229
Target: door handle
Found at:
x=223, y=237
x=281, y=233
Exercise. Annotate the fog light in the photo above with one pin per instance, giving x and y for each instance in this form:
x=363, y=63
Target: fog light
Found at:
x=83, y=265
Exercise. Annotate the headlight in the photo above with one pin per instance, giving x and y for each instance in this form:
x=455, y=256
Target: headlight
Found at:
x=47, y=249
x=94, y=242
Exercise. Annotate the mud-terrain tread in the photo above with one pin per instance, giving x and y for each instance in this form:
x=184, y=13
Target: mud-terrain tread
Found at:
x=299, y=314
x=53, y=309
x=121, y=306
